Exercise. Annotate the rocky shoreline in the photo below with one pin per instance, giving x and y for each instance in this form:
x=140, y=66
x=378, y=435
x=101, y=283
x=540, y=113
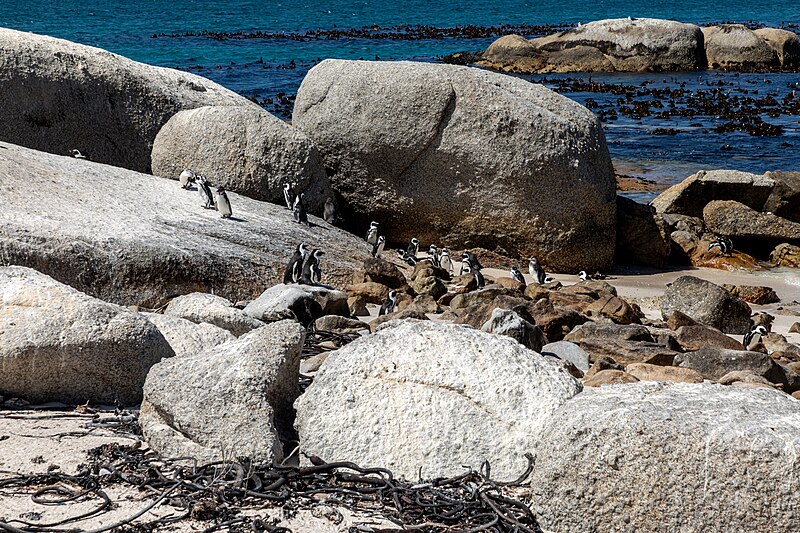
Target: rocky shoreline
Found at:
x=658, y=400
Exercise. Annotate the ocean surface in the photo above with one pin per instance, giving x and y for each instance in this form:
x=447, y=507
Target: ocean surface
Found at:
x=263, y=49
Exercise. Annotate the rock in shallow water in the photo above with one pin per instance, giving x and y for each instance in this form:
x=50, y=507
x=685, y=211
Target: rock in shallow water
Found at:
x=433, y=396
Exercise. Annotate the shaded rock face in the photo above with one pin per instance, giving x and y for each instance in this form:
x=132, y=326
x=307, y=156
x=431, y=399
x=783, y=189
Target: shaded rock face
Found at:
x=642, y=235
x=246, y=150
x=785, y=198
x=607, y=461
x=57, y=95
x=613, y=45
x=457, y=156
x=232, y=400
x=60, y=345
x=187, y=338
x=727, y=217
x=736, y=47
x=496, y=394
x=708, y=304
x=130, y=238
x=199, y=308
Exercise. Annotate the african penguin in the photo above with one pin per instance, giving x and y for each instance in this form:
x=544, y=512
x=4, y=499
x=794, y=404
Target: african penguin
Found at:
x=311, y=270
x=433, y=255
x=372, y=233
x=752, y=338
x=186, y=178
x=389, y=305
x=223, y=203
x=329, y=213
x=295, y=267
x=724, y=244
x=517, y=275
x=444, y=260
x=479, y=278
x=413, y=247
x=77, y=154
x=204, y=190
x=583, y=276
x=410, y=260
x=377, y=248
x=288, y=195
x=299, y=211
x=536, y=270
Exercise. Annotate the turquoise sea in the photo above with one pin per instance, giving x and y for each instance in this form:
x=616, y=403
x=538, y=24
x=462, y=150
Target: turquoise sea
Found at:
x=262, y=49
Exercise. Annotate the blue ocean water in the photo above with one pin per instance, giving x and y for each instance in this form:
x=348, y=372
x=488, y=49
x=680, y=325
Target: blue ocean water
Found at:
x=271, y=69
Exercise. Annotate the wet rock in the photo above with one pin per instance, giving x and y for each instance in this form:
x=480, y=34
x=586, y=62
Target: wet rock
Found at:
x=187, y=338
x=436, y=122
x=303, y=303
x=496, y=395
x=58, y=95
x=609, y=377
x=787, y=255
x=508, y=323
x=607, y=460
x=142, y=240
x=713, y=363
x=736, y=47
x=380, y=271
x=252, y=381
x=648, y=372
x=736, y=220
x=60, y=345
x=758, y=295
x=785, y=43
x=370, y=291
x=693, y=338
x=642, y=235
x=624, y=352
x=200, y=307
x=568, y=351
x=690, y=196
x=708, y=304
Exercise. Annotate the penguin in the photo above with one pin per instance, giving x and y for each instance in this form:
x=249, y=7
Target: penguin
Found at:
x=77, y=154
x=186, y=178
x=754, y=337
x=433, y=255
x=377, y=248
x=410, y=260
x=205, y=192
x=223, y=203
x=329, y=213
x=295, y=267
x=299, y=211
x=465, y=264
x=413, y=247
x=517, y=275
x=598, y=275
x=389, y=305
x=724, y=244
x=469, y=262
x=536, y=270
x=311, y=270
x=479, y=278
x=288, y=195
x=372, y=233
x=444, y=260
x=583, y=276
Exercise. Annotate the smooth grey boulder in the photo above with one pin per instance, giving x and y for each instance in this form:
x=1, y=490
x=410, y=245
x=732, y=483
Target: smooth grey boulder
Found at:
x=245, y=149
x=232, y=400
x=509, y=323
x=200, y=307
x=714, y=362
x=611, y=45
x=737, y=47
x=568, y=351
x=708, y=304
x=303, y=303
x=135, y=239
x=187, y=338
x=383, y=400
x=60, y=345
x=455, y=154
x=669, y=457
x=736, y=220
x=690, y=196
x=57, y=95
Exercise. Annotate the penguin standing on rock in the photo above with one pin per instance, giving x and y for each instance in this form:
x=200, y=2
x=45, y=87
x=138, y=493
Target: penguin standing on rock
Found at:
x=288, y=195
x=377, y=248
x=724, y=244
x=329, y=213
x=312, y=273
x=517, y=275
x=299, y=211
x=372, y=233
x=470, y=262
x=295, y=267
x=77, y=154
x=583, y=276
x=389, y=305
x=223, y=203
x=186, y=178
x=752, y=339
x=409, y=260
x=536, y=270
x=413, y=247
x=444, y=260
x=433, y=255
x=205, y=192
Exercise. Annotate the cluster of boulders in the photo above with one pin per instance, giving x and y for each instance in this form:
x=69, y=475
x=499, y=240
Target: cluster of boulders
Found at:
x=650, y=45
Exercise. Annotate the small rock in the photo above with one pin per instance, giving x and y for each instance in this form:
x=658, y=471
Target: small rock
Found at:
x=381, y=271
x=758, y=295
x=611, y=331
x=357, y=306
x=603, y=363
x=648, y=372
x=744, y=376
x=614, y=308
x=508, y=323
x=426, y=304
x=200, y=307
x=628, y=351
x=372, y=292
x=609, y=377
x=678, y=319
x=795, y=328
x=303, y=303
x=787, y=255
x=397, y=315
x=568, y=351
x=339, y=324
x=713, y=363
x=555, y=321
x=429, y=285
x=534, y=291
x=692, y=338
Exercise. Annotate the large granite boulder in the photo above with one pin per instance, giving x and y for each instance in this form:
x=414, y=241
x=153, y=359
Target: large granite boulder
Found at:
x=132, y=238
x=669, y=457
x=245, y=149
x=60, y=345
x=708, y=304
x=212, y=309
x=736, y=220
x=229, y=401
x=612, y=45
x=303, y=303
x=383, y=400
x=187, y=338
x=736, y=47
x=785, y=43
x=690, y=196
x=57, y=96
x=455, y=154
x=642, y=235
